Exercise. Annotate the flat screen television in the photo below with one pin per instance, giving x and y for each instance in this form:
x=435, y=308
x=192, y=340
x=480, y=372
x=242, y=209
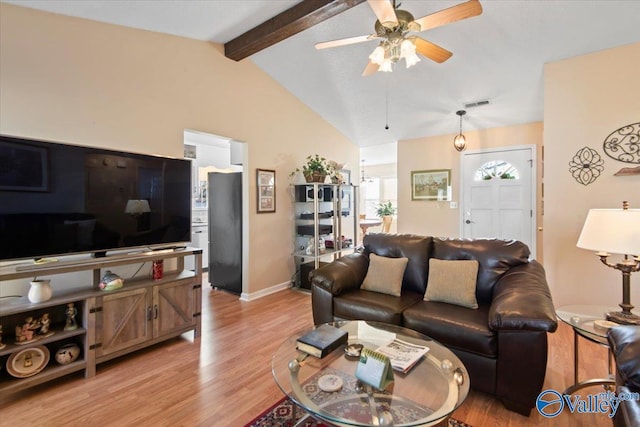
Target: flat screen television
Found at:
x=58, y=199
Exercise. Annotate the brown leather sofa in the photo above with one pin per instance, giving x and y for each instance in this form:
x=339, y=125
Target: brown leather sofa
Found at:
x=625, y=346
x=503, y=343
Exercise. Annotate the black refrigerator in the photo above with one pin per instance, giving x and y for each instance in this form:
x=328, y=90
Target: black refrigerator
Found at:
x=225, y=231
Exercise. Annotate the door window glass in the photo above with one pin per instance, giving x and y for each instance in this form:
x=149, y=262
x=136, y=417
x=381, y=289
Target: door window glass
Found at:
x=496, y=169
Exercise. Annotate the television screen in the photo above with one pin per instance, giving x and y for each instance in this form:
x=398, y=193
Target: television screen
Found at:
x=60, y=199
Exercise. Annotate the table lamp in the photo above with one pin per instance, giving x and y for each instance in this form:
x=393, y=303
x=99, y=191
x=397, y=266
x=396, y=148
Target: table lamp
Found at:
x=137, y=207
x=616, y=231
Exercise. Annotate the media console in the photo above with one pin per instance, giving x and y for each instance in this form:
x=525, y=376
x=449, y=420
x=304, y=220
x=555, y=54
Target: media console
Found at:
x=109, y=323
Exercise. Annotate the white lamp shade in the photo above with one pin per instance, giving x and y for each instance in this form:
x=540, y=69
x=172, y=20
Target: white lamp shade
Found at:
x=377, y=57
x=135, y=207
x=408, y=52
x=386, y=66
x=614, y=231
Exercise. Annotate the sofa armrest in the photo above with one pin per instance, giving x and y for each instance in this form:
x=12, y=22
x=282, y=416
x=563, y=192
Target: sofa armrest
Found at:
x=624, y=342
x=522, y=301
x=342, y=274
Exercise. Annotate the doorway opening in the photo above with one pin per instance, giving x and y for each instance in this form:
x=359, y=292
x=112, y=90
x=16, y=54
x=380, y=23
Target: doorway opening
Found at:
x=219, y=201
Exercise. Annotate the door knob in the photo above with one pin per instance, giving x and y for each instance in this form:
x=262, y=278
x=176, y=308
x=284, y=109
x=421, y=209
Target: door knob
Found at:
x=468, y=221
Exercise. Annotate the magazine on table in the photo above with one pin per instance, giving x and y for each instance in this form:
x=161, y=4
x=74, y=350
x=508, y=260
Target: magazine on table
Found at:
x=403, y=355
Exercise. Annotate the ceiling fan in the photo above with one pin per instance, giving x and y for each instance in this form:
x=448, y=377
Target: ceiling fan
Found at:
x=393, y=27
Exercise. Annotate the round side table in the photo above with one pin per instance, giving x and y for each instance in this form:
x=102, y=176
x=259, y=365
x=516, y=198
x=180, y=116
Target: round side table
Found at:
x=586, y=320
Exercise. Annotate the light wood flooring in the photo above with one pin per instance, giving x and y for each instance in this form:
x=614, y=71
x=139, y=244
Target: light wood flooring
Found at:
x=224, y=378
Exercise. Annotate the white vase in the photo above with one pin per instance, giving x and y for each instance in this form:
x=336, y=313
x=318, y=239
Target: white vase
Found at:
x=40, y=291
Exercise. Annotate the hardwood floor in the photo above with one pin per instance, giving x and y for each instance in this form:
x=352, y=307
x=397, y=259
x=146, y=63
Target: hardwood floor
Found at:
x=224, y=378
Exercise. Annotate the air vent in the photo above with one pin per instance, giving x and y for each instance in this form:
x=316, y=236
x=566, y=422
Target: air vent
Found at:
x=477, y=103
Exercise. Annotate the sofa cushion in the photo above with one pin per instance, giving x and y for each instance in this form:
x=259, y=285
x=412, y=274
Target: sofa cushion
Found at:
x=385, y=275
x=453, y=282
x=374, y=306
x=416, y=248
x=494, y=256
x=453, y=326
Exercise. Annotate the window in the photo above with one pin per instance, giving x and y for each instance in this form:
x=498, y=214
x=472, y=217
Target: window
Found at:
x=496, y=169
x=376, y=190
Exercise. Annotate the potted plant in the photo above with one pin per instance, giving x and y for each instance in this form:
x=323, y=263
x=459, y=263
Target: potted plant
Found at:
x=385, y=211
x=316, y=169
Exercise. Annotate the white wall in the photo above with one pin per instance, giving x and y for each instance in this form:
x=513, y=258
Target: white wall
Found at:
x=434, y=218
x=79, y=81
x=586, y=99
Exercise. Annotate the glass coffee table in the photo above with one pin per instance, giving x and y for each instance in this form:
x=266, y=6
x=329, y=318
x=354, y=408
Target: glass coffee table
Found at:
x=424, y=396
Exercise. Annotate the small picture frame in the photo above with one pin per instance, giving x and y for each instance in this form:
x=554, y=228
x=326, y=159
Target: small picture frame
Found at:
x=431, y=185
x=266, y=190
x=346, y=176
x=189, y=151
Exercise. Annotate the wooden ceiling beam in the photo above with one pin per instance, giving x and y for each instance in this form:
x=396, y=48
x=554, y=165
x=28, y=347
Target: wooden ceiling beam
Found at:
x=298, y=18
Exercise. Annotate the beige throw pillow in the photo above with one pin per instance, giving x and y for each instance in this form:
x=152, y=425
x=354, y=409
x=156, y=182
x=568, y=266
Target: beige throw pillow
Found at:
x=453, y=282
x=385, y=275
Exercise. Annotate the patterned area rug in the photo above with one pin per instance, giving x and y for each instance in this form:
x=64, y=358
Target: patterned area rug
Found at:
x=283, y=414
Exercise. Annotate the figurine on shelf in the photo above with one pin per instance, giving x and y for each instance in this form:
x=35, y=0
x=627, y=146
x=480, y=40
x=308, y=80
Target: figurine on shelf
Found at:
x=45, y=324
x=2, y=345
x=71, y=318
x=24, y=334
x=20, y=338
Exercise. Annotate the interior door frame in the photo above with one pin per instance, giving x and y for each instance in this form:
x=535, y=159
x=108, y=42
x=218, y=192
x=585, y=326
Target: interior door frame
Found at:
x=239, y=153
x=533, y=148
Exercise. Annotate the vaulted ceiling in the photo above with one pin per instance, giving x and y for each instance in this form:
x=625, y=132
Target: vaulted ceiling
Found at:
x=497, y=56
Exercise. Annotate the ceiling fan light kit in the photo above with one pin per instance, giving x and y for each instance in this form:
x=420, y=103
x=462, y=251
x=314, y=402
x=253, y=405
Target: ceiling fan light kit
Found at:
x=393, y=27
x=460, y=142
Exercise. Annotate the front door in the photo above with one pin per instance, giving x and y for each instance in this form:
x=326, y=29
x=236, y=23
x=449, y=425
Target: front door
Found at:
x=498, y=194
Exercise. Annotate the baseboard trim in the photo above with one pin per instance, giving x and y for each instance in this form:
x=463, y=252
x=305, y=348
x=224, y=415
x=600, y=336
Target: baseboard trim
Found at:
x=264, y=292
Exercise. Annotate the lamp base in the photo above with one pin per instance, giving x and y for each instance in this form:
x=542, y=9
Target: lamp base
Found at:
x=623, y=318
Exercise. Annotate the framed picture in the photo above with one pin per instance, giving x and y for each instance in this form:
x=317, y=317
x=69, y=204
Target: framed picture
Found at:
x=346, y=175
x=431, y=185
x=26, y=167
x=189, y=151
x=266, y=190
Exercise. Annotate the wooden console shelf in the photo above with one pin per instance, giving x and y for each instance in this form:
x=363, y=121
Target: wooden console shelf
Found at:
x=110, y=323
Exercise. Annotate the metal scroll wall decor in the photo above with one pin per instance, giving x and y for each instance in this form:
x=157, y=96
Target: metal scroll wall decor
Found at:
x=624, y=145
x=586, y=166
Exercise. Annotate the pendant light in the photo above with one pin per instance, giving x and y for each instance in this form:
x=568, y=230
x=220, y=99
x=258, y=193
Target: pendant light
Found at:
x=460, y=142
x=363, y=178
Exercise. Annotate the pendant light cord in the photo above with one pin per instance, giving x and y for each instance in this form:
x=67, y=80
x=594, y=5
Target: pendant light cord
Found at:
x=386, y=94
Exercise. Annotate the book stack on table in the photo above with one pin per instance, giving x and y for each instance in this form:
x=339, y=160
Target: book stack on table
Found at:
x=322, y=340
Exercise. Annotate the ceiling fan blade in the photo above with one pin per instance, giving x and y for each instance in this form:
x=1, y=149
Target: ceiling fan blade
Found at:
x=431, y=51
x=371, y=68
x=385, y=12
x=344, y=42
x=452, y=14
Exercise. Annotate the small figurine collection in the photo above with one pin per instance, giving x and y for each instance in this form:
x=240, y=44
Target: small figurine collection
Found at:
x=34, y=329
x=31, y=359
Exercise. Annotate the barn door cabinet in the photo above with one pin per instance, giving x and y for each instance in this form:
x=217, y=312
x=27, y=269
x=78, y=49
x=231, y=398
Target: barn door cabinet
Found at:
x=110, y=324
x=142, y=316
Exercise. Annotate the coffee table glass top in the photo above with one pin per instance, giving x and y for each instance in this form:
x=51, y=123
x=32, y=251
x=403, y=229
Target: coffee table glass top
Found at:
x=589, y=319
x=429, y=392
